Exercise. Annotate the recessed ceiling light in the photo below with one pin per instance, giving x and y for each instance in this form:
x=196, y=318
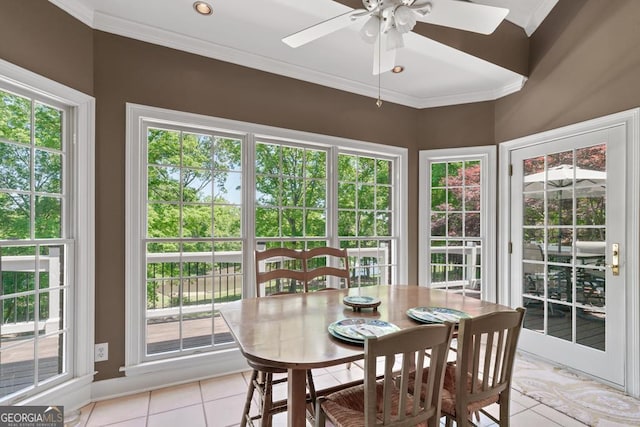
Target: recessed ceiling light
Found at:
x=397, y=69
x=203, y=8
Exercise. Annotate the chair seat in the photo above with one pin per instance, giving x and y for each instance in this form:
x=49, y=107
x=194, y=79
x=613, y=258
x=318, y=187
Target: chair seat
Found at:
x=345, y=408
x=449, y=394
x=448, y=400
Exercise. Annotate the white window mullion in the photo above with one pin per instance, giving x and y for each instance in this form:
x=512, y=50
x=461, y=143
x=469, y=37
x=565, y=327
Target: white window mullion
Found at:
x=332, y=197
x=249, y=213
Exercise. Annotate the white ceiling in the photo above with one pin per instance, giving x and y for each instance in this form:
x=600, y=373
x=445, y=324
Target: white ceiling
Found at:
x=249, y=33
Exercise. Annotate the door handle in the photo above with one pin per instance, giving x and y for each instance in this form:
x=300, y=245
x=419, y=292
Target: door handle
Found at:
x=615, y=259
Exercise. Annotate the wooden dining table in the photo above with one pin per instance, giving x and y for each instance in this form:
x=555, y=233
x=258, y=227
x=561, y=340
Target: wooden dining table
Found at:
x=290, y=331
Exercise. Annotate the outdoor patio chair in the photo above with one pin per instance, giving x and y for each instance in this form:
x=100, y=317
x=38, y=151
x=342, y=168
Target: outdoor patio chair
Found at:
x=387, y=402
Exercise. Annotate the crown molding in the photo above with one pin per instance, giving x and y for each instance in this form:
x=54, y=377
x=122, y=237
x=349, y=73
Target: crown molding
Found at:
x=539, y=15
x=161, y=37
x=77, y=9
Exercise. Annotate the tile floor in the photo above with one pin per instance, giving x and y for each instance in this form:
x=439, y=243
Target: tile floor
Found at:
x=218, y=402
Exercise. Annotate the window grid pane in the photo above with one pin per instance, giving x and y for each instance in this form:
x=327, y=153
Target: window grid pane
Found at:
x=455, y=226
x=365, y=217
x=291, y=191
x=194, y=210
x=34, y=288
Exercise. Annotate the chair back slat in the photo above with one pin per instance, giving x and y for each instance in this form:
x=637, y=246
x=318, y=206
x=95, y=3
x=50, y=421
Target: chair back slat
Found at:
x=399, y=407
x=487, y=361
x=500, y=367
x=282, y=258
x=417, y=385
x=326, y=262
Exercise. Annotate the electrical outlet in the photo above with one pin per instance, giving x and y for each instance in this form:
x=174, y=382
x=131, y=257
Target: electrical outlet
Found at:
x=101, y=352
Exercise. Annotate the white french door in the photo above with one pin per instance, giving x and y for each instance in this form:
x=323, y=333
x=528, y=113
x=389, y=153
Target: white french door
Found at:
x=567, y=226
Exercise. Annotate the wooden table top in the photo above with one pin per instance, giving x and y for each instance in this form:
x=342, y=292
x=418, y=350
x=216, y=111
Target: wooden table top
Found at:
x=290, y=331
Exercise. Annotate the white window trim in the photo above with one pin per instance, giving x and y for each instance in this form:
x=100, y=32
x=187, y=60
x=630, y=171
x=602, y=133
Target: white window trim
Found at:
x=488, y=161
x=135, y=116
x=75, y=392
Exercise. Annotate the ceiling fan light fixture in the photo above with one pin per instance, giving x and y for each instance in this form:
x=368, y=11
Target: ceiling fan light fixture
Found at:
x=203, y=8
x=371, y=29
x=405, y=18
x=394, y=39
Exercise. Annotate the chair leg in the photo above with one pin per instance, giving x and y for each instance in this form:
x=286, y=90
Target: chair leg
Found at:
x=267, y=400
x=447, y=421
x=504, y=408
x=247, y=404
x=320, y=416
x=263, y=381
x=312, y=393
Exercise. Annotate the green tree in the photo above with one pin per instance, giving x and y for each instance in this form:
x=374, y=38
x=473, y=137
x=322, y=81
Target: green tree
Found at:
x=17, y=165
x=291, y=191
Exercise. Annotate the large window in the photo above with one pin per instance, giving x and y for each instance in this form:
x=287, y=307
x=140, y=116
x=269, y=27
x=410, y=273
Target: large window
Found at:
x=193, y=246
x=202, y=199
x=457, y=220
x=33, y=243
x=365, y=216
x=44, y=221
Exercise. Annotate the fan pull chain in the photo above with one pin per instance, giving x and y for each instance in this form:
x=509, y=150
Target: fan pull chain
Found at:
x=379, y=101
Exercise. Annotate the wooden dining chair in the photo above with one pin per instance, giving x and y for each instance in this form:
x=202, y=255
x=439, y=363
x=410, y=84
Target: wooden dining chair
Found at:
x=387, y=402
x=285, y=275
x=481, y=375
x=327, y=268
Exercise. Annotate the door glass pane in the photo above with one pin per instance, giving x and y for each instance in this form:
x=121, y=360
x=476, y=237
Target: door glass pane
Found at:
x=564, y=207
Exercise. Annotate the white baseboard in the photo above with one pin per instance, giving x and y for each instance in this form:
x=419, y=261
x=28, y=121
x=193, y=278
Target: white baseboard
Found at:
x=226, y=363
x=73, y=394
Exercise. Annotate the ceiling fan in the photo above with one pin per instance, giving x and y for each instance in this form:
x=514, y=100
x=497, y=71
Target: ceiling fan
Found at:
x=388, y=20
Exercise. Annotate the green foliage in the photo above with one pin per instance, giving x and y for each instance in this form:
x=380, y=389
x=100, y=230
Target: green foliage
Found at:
x=17, y=166
x=184, y=168
x=364, y=196
x=290, y=191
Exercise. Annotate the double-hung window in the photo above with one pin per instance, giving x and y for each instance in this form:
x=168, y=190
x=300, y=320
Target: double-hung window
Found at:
x=205, y=193
x=46, y=237
x=457, y=220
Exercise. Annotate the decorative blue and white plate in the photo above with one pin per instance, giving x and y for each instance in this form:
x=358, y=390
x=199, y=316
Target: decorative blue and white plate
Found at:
x=360, y=301
x=356, y=330
x=436, y=314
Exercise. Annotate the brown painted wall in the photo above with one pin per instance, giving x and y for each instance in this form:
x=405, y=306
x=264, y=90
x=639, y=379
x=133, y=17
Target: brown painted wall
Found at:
x=585, y=63
x=457, y=126
x=38, y=36
x=133, y=71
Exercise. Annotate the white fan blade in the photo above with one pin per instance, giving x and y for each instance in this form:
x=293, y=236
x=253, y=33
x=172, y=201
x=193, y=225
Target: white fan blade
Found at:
x=326, y=27
x=462, y=15
x=383, y=59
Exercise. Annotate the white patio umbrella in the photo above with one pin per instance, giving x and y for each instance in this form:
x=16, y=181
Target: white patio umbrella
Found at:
x=566, y=178
x=562, y=176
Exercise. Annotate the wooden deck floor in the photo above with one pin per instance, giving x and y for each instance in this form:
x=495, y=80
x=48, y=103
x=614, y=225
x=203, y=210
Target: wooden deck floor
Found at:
x=590, y=329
